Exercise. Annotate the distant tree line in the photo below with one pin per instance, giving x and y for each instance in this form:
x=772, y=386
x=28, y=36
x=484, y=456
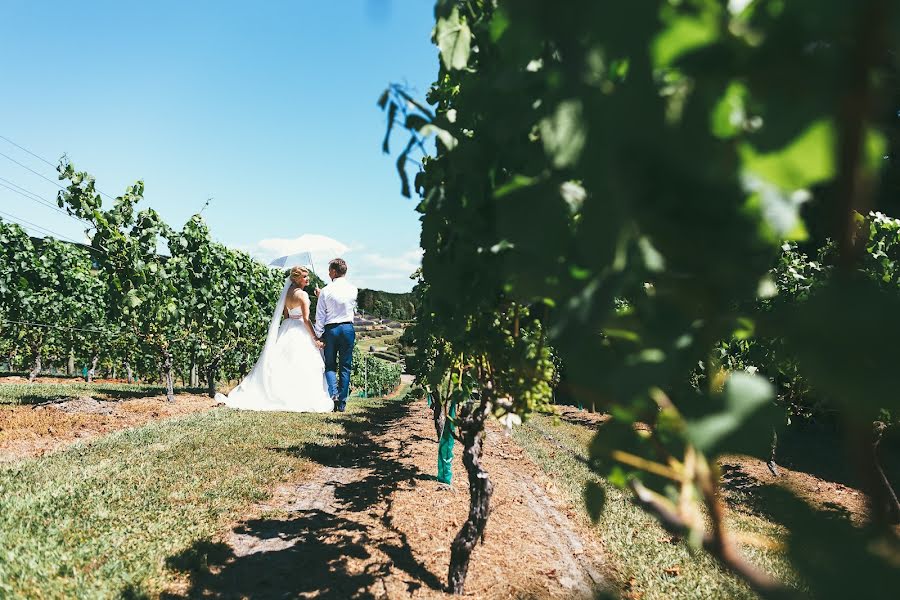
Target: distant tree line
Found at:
x=387, y=305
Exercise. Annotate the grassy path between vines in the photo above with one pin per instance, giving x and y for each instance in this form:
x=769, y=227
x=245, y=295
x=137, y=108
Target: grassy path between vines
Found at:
x=649, y=563
x=373, y=522
x=226, y=503
x=223, y=503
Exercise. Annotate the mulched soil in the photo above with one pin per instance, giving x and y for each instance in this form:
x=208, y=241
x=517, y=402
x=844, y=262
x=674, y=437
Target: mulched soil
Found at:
x=34, y=430
x=750, y=476
x=373, y=522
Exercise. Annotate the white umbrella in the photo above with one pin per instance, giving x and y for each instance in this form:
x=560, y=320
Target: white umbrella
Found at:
x=300, y=258
x=306, y=250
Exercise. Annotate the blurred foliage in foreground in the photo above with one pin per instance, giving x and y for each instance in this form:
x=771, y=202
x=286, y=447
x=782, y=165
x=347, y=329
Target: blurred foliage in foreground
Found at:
x=623, y=177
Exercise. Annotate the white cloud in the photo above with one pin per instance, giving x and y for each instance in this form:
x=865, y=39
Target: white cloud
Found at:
x=274, y=246
x=405, y=263
x=381, y=276
x=385, y=272
x=307, y=243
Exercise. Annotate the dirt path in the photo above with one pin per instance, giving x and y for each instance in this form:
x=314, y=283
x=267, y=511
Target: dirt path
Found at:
x=374, y=523
x=34, y=430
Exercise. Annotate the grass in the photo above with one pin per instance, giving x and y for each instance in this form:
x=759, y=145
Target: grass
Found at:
x=105, y=519
x=100, y=520
x=385, y=341
x=36, y=393
x=639, y=550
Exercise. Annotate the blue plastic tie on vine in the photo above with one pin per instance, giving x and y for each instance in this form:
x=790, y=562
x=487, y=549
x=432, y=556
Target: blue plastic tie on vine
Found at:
x=445, y=450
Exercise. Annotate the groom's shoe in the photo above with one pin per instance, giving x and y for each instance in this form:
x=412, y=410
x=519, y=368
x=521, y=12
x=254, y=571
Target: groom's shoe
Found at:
x=340, y=406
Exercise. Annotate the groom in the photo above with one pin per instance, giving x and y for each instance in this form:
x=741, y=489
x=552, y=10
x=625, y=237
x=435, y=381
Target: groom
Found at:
x=334, y=327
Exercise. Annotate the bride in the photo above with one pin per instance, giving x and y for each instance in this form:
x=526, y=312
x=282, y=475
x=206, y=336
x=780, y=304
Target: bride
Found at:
x=290, y=372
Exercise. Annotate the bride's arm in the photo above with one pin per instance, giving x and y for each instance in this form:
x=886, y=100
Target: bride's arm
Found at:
x=304, y=310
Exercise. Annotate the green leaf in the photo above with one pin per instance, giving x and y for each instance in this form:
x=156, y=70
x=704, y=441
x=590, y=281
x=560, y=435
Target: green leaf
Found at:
x=132, y=299
x=779, y=210
x=574, y=194
x=499, y=24
x=745, y=329
x=442, y=134
x=564, y=134
x=594, y=499
x=622, y=334
x=383, y=99
x=875, y=149
x=766, y=288
x=653, y=260
x=516, y=183
x=416, y=122
x=619, y=477
x=809, y=159
x=845, y=339
x=744, y=395
x=454, y=39
x=729, y=114
x=684, y=33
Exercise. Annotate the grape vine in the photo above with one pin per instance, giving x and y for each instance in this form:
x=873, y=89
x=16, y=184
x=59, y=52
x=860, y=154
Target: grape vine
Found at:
x=198, y=307
x=618, y=179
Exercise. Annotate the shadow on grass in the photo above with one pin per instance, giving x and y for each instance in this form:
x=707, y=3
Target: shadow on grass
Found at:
x=309, y=551
x=814, y=450
x=53, y=393
x=583, y=417
x=33, y=399
x=823, y=453
x=304, y=554
x=25, y=374
x=118, y=394
x=763, y=498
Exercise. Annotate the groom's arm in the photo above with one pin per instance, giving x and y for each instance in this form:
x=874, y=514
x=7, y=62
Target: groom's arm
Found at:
x=319, y=327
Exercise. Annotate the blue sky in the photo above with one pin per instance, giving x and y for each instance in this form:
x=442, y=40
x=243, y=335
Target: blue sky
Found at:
x=267, y=107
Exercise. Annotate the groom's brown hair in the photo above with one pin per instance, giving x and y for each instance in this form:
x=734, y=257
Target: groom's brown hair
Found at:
x=339, y=266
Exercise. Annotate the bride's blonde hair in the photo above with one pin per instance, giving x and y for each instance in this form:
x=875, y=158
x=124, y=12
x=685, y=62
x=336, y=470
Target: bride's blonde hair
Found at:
x=298, y=273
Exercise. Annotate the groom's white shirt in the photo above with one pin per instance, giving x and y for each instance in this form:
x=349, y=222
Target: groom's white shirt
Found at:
x=337, y=304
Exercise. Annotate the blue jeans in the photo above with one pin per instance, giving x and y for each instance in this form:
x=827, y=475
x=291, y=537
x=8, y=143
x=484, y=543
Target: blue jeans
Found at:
x=339, y=339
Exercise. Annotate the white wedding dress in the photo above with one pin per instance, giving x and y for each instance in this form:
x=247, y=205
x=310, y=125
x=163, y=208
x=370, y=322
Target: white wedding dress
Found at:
x=290, y=372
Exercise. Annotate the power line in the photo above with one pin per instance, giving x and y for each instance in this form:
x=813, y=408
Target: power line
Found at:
x=29, y=224
x=26, y=191
x=27, y=168
x=50, y=232
x=56, y=183
x=28, y=151
x=35, y=198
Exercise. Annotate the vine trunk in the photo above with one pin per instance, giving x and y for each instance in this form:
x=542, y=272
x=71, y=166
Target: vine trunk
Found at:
x=93, y=369
x=169, y=374
x=471, y=428
x=211, y=375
